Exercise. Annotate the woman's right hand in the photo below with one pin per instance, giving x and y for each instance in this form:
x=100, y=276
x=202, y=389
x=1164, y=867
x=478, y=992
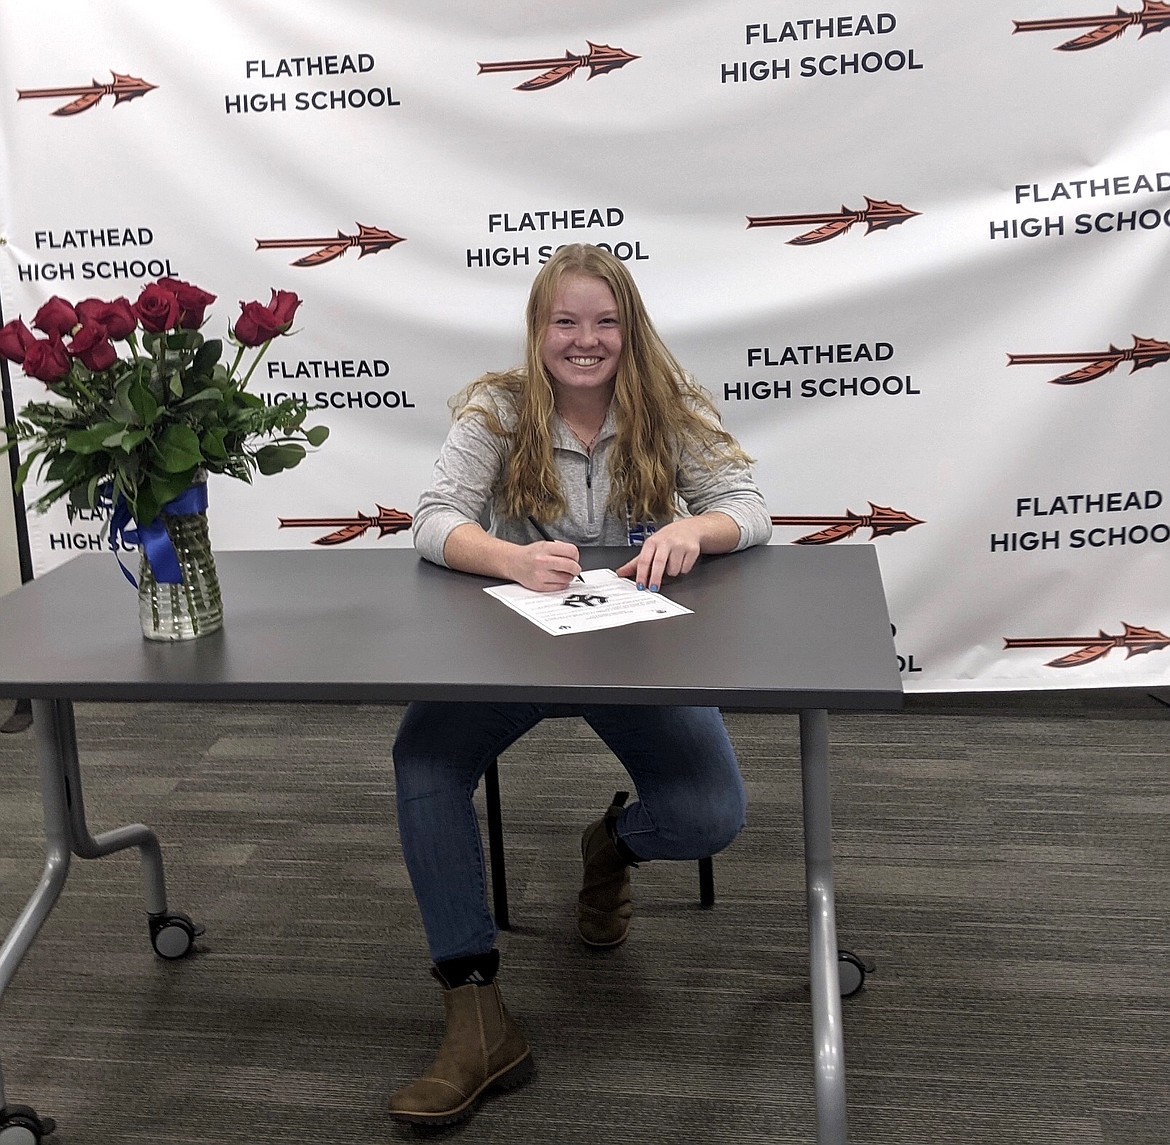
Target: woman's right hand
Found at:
x=545, y=566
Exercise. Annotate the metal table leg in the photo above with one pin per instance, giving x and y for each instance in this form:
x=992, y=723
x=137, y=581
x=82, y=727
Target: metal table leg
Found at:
x=828, y=1038
x=58, y=850
x=67, y=834
x=87, y=846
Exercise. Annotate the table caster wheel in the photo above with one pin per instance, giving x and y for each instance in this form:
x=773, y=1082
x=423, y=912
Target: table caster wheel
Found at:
x=172, y=934
x=20, y=1125
x=851, y=972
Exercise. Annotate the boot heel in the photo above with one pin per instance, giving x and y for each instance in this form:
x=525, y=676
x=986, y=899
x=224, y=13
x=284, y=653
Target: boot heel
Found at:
x=516, y=1075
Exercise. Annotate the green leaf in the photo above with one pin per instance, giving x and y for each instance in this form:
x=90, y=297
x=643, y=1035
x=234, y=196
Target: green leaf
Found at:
x=213, y=444
x=144, y=507
x=167, y=487
x=122, y=408
x=207, y=356
x=83, y=496
x=178, y=449
x=91, y=440
x=274, y=458
x=22, y=473
x=143, y=401
x=184, y=340
x=67, y=468
x=317, y=435
x=133, y=439
x=176, y=385
x=206, y=395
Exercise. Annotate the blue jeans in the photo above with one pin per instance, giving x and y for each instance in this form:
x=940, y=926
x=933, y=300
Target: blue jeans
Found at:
x=691, y=800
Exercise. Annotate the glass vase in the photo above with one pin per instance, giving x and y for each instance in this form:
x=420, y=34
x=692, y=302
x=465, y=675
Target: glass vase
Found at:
x=191, y=609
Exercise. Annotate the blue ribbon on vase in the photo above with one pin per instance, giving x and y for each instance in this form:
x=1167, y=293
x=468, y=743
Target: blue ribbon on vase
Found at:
x=153, y=539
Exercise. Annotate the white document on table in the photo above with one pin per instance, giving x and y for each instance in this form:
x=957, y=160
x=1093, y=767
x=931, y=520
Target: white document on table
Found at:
x=604, y=600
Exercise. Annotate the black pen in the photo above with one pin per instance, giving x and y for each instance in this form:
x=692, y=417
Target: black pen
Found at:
x=545, y=537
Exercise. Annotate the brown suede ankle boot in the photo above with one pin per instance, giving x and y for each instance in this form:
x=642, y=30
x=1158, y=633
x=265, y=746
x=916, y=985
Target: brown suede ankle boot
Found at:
x=483, y=1050
x=605, y=905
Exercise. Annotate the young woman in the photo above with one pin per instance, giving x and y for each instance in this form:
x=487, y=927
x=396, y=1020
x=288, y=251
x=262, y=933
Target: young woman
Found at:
x=601, y=438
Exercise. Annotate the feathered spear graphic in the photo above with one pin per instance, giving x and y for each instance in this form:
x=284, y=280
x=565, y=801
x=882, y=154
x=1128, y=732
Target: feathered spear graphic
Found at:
x=1154, y=17
x=1135, y=640
x=387, y=522
x=1144, y=353
x=600, y=58
x=368, y=240
x=878, y=215
x=123, y=89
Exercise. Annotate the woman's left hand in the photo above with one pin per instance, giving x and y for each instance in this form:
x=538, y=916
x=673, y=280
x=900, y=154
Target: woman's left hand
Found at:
x=671, y=551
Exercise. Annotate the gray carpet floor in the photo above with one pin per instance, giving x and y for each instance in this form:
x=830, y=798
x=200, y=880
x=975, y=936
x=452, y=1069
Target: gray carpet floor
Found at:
x=1005, y=861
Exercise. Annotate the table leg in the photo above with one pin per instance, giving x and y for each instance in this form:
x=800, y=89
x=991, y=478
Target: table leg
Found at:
x=87, y=846
x=828, y=1038
x=58, y=850
x=67, y=834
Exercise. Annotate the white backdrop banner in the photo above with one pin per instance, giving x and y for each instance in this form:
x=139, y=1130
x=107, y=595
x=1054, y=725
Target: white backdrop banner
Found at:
x=917, y=252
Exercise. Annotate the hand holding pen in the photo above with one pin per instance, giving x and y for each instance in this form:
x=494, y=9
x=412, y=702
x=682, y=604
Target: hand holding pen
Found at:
x=544, y=536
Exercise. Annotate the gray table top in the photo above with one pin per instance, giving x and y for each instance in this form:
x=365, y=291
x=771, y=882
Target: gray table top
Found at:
x=776, y=628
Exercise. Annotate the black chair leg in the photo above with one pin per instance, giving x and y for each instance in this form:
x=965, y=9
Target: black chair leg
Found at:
x=491, y=787
x=707, y=883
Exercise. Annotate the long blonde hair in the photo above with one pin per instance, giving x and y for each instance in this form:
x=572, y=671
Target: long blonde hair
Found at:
x=660, y=412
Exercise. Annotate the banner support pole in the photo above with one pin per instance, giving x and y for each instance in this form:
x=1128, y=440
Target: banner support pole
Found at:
x=21, y=718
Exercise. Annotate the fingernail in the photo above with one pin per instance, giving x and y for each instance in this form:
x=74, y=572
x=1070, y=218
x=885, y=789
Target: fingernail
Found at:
x=640, y=587
x=654, y=588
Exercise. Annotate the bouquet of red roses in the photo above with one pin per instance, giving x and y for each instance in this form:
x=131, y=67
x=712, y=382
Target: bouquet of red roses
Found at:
x=143, y=401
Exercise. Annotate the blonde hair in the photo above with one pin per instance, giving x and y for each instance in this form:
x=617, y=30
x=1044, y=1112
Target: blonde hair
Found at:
x=660, y=411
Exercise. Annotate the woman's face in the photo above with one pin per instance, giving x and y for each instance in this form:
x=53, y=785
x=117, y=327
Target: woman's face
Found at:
x=583, y=339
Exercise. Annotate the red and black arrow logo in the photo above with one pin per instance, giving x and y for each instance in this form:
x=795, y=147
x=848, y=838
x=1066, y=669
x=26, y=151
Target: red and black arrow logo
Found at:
x=368, y=240
x=1144, y=353
x=878, y=215
x=600, y=58
x=880, y=520
x=82, y=98
x=387, y=522
x=1154, y=17
x=1136, y=642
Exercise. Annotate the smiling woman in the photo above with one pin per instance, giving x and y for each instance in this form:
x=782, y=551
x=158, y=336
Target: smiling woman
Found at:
x=600, y=438
x=581, y=349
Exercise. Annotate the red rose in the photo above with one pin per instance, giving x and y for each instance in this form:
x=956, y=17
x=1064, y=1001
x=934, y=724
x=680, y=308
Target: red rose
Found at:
x=92, y=345
x=259, y=324
x=117, y=316
x=15, y=340
x=56, y=317
x=256, y=324
x=99, y=357
x=193, y=302
x=47, y=360
x=157, y=309
x=283, y=306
